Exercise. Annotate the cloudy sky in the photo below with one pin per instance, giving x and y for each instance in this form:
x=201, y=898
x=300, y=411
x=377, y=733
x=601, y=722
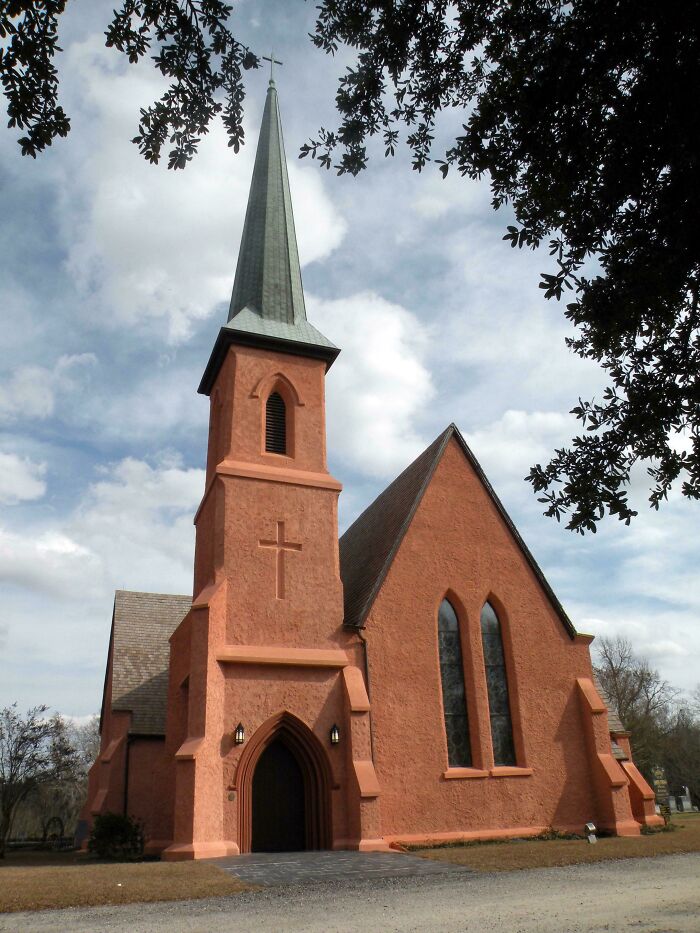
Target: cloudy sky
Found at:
x=114, y=279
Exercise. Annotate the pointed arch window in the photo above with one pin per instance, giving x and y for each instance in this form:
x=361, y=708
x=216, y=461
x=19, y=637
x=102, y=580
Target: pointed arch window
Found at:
x=497, y=683
x=454, y=700
x=275, y=424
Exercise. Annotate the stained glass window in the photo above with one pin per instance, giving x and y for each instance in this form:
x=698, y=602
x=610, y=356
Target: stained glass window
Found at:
x=454, y=701
x=497, y=683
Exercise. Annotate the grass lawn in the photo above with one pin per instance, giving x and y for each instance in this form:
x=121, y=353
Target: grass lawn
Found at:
x=539, y=853
x=38, y=881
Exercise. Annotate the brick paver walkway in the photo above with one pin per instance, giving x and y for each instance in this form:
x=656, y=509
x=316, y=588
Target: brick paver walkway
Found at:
x=273, y=868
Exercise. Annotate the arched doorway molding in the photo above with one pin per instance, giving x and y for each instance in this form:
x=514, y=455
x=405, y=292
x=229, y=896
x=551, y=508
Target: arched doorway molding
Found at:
x=315, y=767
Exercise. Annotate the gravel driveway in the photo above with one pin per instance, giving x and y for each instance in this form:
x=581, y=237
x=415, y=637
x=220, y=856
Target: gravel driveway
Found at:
x=659, y=895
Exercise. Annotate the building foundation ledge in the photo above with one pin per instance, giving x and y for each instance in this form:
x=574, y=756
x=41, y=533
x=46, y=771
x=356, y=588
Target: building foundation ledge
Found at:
x=621, y=828
x=654, y=821
x=373, y=845
x=181, y=852
x=156, y=846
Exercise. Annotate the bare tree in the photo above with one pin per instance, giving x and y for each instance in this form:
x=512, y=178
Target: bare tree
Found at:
x=645, y=702
x=25, y=760
x=629, y=680
x=51, y=807
x=695, y=701
x=85, y=739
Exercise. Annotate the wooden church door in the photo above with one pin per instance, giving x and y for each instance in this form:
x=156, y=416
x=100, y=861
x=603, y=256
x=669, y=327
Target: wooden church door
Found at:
x=279, y=817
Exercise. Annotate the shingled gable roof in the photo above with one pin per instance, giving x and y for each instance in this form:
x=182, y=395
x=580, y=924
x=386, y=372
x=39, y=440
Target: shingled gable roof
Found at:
x=370, y=544
x=141, y=626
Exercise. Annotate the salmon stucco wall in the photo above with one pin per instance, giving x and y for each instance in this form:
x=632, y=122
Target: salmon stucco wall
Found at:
x=267, y=580
x=147, y=770
x=459, y=547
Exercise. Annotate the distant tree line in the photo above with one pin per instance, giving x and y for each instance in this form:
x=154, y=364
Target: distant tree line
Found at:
x=664, y=722
x=44, y=761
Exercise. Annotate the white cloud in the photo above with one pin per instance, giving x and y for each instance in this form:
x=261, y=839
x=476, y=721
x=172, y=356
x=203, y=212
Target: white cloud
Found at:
x=150, y=245
x=670, y=654
x=30, y=391
x=132, y=529
x=379, y=386
x=21, y=479
x=46, y=561
x=509, y=446
x=437, y=196
x=137, y=519
x=319, y=227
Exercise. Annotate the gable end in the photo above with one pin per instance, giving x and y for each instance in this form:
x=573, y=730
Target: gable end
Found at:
x=368, y=547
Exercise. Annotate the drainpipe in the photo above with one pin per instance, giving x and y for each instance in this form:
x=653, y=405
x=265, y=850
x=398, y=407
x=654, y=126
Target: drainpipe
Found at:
x=369, y=692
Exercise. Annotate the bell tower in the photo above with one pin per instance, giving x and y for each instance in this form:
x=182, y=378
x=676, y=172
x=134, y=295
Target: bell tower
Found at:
x=264, y=647
x=268, y=520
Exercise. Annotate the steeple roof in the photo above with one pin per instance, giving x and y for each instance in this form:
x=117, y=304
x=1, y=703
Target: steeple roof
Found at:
x=268, y=278
x=267, y=304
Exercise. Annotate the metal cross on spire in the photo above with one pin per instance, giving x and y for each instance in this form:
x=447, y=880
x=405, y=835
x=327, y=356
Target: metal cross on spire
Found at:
x=273, y=61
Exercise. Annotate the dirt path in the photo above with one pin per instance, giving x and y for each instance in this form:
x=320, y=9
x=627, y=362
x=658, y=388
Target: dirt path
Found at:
x=660, y=895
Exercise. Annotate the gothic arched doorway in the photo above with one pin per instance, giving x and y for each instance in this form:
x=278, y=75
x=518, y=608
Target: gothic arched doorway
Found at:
x=284, y=782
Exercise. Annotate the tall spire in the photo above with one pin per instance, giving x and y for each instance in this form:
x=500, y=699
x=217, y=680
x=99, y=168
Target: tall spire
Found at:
x=268, y=277
x=267, y=304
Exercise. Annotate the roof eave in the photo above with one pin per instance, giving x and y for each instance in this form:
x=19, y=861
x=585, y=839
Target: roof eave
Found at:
x=110, y=660
x=229, y=336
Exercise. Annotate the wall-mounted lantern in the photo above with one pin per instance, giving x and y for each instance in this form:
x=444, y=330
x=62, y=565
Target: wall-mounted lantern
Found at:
x=239, y=734
x=335, y=734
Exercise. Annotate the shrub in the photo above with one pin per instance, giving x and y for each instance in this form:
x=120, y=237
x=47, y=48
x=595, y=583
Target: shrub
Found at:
x=115, y=835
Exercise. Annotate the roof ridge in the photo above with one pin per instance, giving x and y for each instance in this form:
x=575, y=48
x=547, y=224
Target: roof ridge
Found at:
x=149, y=593
x=395, y=480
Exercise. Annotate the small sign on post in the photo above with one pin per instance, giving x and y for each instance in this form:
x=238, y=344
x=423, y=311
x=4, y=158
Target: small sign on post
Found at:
x=660, y=783
x=658, y=779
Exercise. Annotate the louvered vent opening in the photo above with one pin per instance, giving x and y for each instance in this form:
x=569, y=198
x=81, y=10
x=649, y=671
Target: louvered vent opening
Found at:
x=275, y=425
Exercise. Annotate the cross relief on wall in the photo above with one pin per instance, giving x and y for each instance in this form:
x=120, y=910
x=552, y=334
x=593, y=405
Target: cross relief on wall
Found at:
x=280, y=546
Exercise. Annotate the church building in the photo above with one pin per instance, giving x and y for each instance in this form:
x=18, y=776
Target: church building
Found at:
x=415, y=681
